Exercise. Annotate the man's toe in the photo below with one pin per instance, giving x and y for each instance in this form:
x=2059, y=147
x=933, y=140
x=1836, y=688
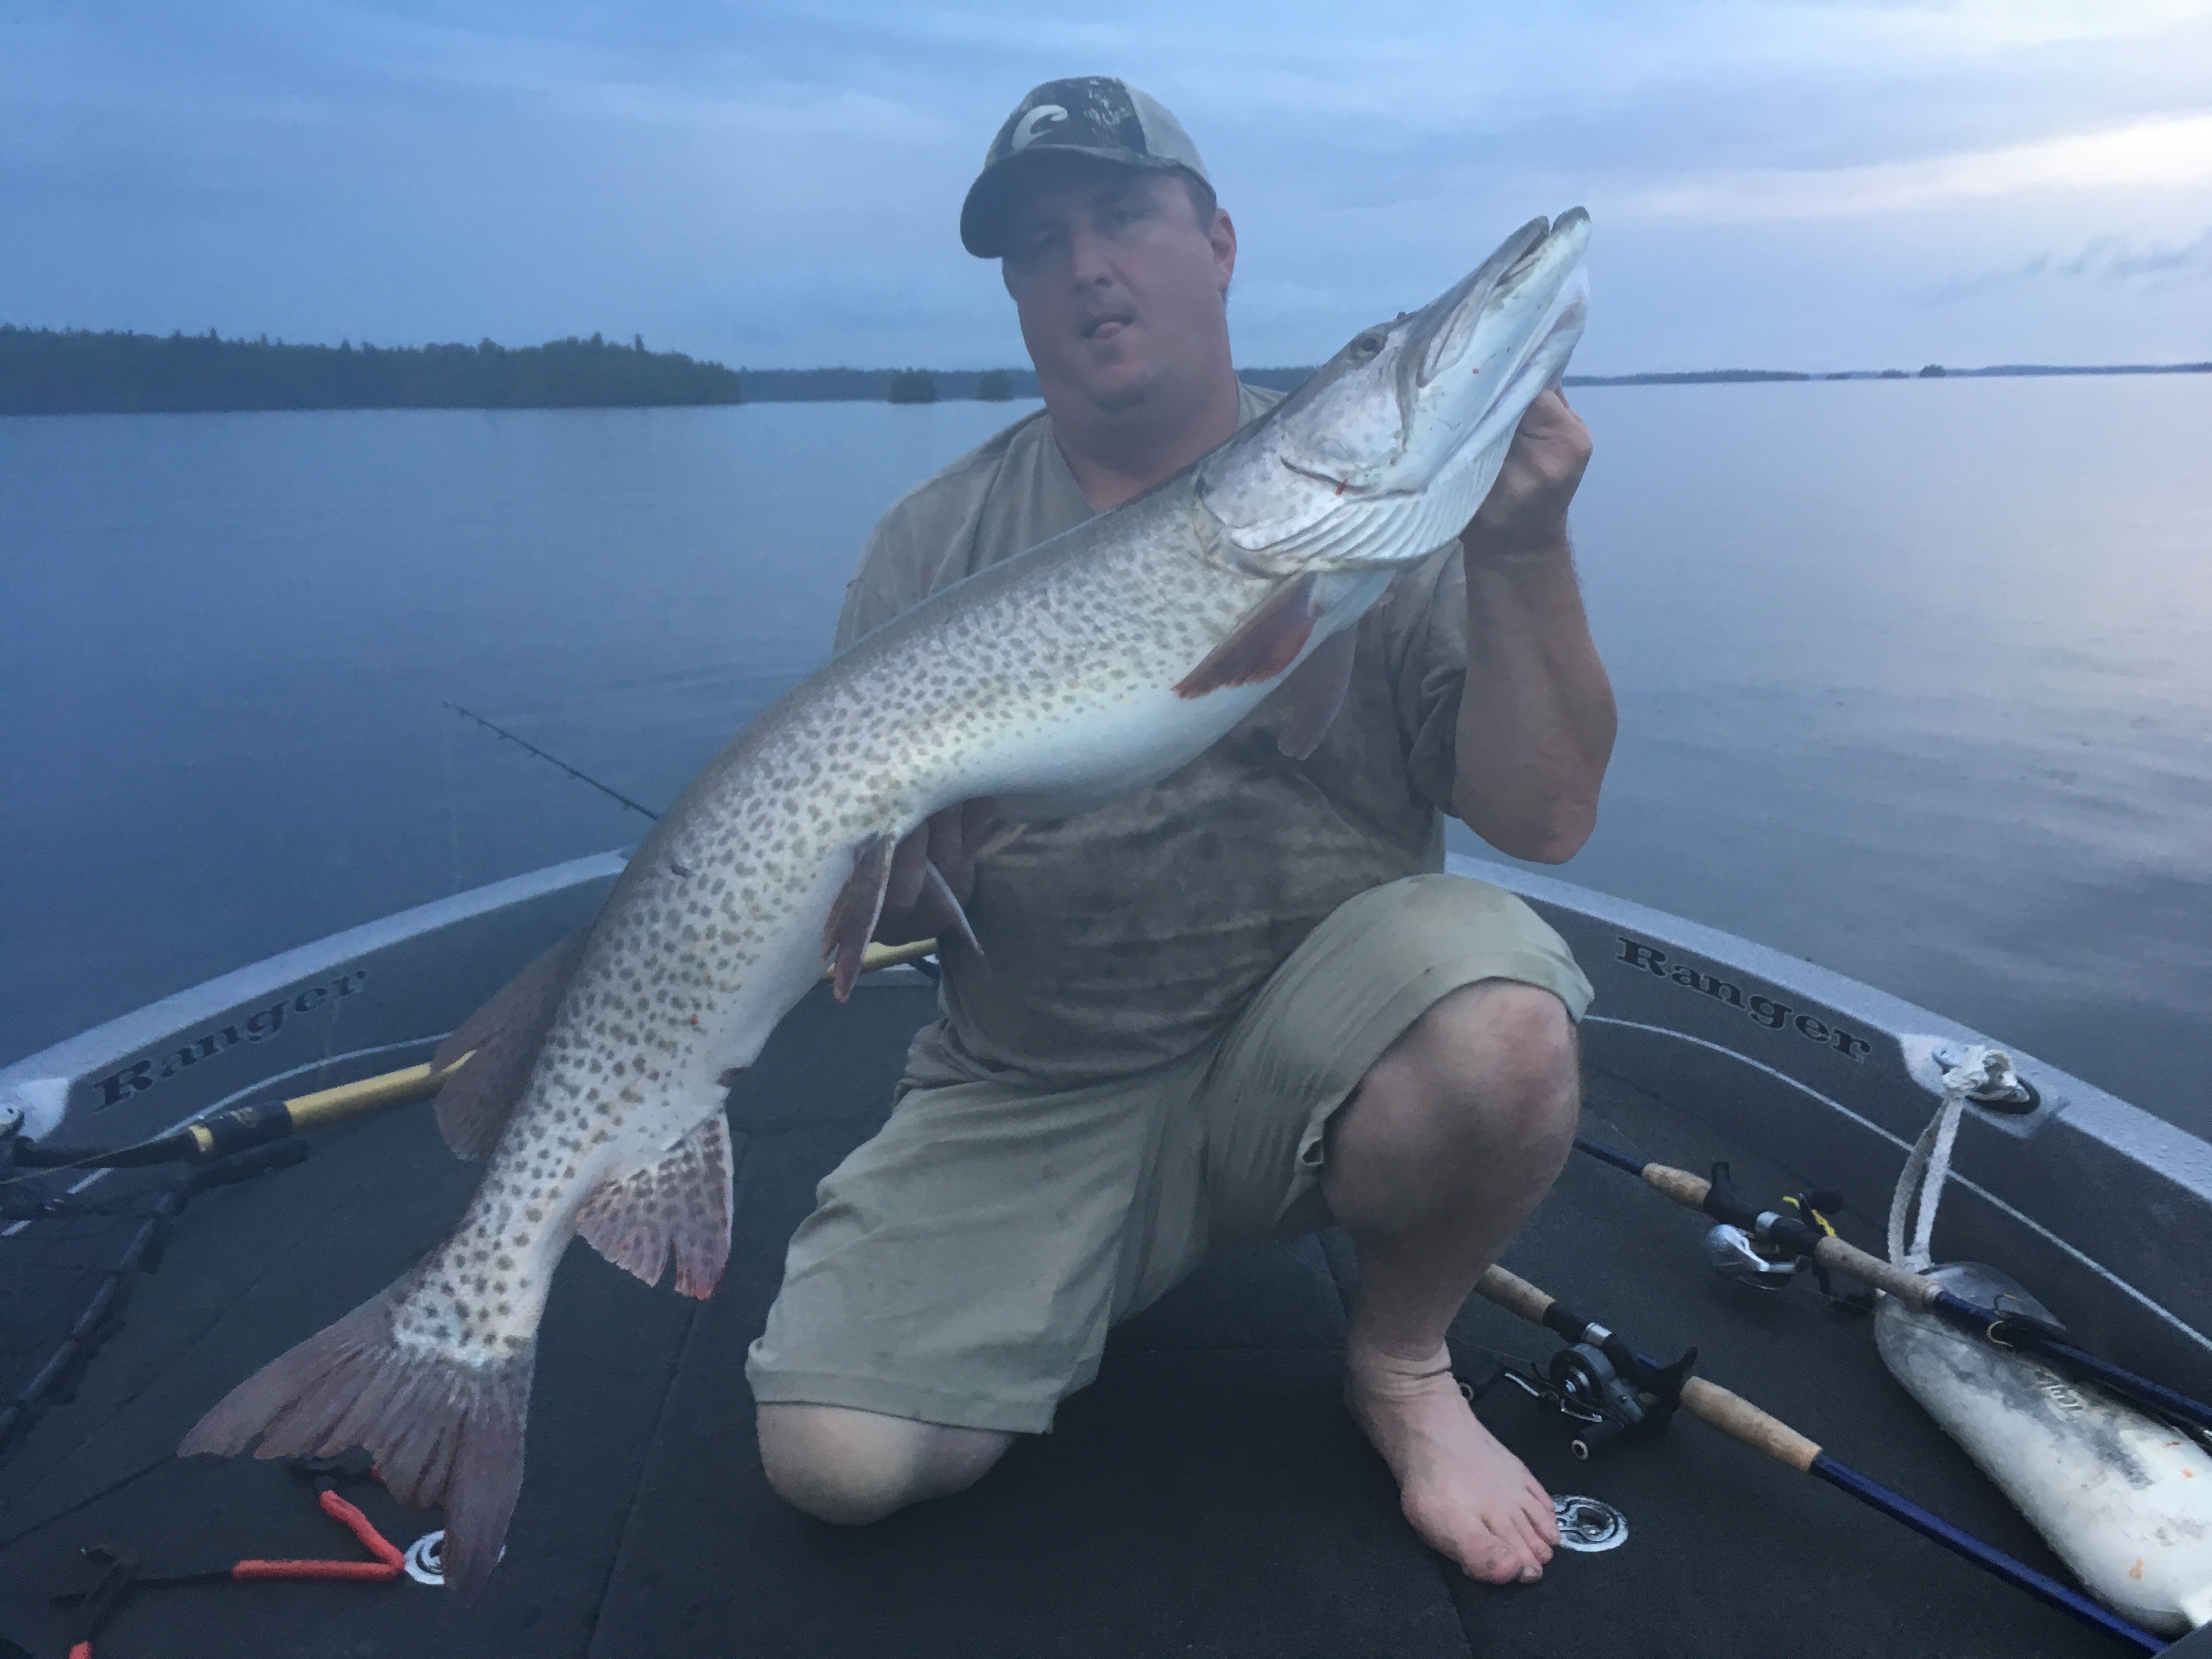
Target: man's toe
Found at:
x=1493, y=1559
x=1532, y=1539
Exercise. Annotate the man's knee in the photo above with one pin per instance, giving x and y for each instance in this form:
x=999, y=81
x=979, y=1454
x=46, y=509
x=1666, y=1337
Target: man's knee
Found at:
x=1505, y=1051
x=853, y=1467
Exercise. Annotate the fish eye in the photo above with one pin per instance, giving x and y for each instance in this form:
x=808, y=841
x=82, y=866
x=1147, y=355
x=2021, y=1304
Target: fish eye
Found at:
x=1368, y=344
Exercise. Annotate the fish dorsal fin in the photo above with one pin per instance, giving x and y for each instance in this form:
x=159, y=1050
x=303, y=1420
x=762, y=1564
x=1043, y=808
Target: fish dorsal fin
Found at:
x=501, y=1039
x=1315, y=691
x=1261, y=645
x=851, y=918
x=679, y=1207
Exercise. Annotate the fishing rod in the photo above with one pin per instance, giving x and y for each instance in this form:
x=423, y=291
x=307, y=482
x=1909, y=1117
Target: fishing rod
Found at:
x=204, y=1140
x=102, y=1316
x=874, y=956
x=218, y=1136
x=1806, y=1235
x=524, y=743
x=1657, y=1392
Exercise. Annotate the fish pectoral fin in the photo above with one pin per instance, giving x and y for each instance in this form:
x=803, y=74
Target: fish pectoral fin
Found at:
x=1261, y=647
x=501, y=1040
x=937, y=893
x=852, y=920
x=1315, y=692
x=679, y=1207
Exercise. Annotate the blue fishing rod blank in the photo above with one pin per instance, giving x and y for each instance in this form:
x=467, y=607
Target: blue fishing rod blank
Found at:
x=1928, y=1524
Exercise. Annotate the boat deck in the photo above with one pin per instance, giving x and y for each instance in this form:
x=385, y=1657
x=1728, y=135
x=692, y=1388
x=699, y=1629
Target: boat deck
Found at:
x=1207, y=1496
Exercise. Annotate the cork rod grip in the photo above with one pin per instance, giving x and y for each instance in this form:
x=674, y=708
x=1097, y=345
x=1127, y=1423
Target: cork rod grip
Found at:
x=1678, y=1184
x=1514, y=1294
x=1738, y=1419
x=1910, y=1288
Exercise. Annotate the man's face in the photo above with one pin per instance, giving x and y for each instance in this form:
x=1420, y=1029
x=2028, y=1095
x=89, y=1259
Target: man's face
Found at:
x=1118, y=286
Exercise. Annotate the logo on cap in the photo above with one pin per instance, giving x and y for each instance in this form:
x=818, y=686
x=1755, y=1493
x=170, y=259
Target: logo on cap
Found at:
x=1032, y=126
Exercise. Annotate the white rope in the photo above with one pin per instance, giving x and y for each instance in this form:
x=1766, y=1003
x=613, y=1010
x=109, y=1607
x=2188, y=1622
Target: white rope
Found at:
x=1981, y=1072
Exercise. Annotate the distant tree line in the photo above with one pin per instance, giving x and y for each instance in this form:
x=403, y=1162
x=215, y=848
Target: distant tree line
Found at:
x=74, y=371
x=66, y=372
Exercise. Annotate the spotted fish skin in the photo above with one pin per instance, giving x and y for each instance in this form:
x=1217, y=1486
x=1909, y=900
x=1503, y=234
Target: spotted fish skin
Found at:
x=1088, y=667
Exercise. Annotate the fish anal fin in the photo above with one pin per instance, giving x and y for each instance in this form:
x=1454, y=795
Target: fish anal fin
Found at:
x=501, y=1039
x=1261, y=645
x=1315, y=691
x=852, y=920
x=678, y=1205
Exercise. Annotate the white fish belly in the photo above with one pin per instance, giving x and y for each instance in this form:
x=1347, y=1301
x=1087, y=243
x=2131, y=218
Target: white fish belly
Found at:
x=1058, y=764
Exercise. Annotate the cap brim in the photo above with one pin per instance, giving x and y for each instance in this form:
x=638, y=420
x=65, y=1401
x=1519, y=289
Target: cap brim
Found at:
x=983, y=215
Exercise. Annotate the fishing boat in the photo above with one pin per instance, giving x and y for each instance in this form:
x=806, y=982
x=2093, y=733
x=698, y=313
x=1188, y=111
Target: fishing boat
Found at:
x=196, y=1185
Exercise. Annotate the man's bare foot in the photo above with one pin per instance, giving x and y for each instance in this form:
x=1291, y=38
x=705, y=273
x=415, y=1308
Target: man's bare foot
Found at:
x=1468, y=1498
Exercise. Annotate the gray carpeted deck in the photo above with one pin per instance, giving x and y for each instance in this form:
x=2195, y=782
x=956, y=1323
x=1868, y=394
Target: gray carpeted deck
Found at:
x=1206, y=1496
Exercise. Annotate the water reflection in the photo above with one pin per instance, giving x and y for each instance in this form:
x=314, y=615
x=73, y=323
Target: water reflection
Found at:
x=1912, y=680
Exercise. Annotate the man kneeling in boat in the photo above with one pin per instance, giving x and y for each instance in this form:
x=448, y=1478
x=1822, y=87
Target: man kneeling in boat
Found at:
x=1243, y=1003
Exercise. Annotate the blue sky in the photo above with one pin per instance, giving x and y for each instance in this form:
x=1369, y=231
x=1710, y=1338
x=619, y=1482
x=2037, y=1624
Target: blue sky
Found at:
x=1791, y=186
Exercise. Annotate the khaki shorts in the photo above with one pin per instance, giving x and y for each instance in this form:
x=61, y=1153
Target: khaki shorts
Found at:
x=964, y=1266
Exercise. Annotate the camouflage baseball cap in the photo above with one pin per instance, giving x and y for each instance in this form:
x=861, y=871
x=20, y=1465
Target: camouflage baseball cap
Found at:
x=1091, y=115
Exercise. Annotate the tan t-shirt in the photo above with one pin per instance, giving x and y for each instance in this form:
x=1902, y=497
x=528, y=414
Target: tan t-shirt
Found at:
x=1127, y=937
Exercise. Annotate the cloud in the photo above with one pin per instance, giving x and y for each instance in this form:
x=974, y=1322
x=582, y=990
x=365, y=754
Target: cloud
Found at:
x=2165, y=152
x=775, y=181
x=2105, y=260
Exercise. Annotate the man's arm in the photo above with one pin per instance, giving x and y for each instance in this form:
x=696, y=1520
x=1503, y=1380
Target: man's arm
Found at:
x=1536, y=721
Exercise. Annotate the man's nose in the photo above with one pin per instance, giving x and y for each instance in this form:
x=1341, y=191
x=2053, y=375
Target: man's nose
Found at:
x=1089, y=257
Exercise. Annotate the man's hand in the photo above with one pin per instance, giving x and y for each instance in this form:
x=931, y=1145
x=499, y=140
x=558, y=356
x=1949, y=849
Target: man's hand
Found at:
x=1526, y=510
x=1537, y=719
x=949, y=841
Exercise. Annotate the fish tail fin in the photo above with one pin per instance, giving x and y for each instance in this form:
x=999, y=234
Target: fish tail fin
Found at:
x=443, y=1434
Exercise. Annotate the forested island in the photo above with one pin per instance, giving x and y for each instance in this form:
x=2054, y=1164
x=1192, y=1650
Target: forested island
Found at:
x=70, y=371
x=82, y=371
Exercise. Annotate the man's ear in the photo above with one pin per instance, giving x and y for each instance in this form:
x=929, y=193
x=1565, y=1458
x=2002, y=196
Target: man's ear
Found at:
x=1222, y=237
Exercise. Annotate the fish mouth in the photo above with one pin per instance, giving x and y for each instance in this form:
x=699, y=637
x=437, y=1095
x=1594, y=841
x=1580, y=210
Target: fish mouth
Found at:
x=1444, y=329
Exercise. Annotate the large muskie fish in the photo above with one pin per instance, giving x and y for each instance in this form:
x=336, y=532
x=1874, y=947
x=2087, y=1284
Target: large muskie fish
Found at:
x=1088, y=667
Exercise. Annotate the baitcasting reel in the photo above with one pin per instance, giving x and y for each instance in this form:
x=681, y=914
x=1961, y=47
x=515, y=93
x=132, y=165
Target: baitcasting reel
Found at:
x=1612, y=1392
x=1753, y=1256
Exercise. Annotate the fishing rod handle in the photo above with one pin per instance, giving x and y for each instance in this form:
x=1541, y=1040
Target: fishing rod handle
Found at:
x=1916, y=1290
x=1738, y=1419
x=369, y=1094
x=1685, y=1189
x=1709, y=1402
x=1515, y=1294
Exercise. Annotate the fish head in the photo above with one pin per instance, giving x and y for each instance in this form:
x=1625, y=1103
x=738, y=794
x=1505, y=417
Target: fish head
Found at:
x=1386, y=451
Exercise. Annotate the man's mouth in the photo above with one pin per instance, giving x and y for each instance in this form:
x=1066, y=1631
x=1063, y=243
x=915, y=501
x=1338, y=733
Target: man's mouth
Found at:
x=1106, y=327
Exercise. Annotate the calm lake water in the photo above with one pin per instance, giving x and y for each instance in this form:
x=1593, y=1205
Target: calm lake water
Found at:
x=1913, y=677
